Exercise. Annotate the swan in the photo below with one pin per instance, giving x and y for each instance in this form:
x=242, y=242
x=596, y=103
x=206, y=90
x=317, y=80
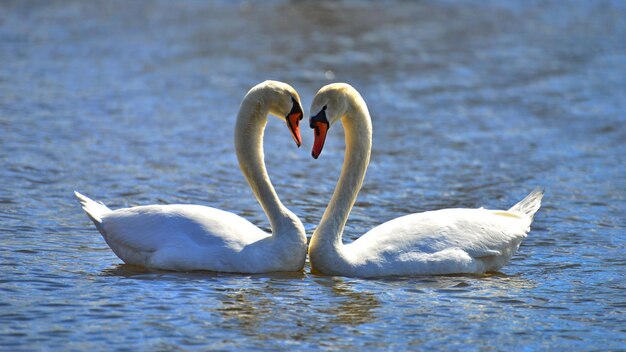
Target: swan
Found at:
x=193, y=237
x=448, y=241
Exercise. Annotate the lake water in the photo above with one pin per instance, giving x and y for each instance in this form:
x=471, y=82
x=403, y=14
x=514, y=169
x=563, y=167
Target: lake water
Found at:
x=473, y=104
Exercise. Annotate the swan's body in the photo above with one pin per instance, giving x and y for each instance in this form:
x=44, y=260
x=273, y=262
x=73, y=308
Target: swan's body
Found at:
x=449, y=241
x=193, y=237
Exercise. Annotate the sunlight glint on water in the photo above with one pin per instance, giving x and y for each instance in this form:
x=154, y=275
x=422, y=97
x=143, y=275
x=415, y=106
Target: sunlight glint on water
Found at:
x=473, y=104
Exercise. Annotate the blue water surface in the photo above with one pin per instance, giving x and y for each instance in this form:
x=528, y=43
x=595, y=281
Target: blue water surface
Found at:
x=474, y=103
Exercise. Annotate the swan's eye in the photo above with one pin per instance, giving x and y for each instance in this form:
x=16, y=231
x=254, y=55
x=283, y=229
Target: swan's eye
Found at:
x=319, y=118
x=296, y=106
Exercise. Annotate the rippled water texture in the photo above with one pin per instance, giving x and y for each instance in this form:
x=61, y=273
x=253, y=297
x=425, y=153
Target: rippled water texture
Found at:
x=473, y=104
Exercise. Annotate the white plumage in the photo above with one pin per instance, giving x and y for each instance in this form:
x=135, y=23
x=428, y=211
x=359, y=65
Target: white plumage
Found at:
x=194, y=237
x=445, y=241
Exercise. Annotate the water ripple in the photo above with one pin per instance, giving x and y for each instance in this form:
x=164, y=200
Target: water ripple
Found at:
x=473, y=104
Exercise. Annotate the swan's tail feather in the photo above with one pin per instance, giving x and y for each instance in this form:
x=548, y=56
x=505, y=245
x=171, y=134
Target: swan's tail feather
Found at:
x=530, y=204
x=95, y=210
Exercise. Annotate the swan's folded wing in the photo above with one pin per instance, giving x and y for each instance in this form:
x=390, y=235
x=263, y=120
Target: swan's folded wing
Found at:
x=147, y=229
x=478, y=232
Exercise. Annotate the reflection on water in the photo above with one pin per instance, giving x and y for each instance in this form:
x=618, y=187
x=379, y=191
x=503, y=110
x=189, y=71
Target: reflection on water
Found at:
x=473, y=104
x=126, y=270
x=354, y=307
x=247, y=307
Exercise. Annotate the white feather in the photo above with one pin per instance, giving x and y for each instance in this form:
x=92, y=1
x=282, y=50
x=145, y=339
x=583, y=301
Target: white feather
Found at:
x=194, y=237
x=448, y=241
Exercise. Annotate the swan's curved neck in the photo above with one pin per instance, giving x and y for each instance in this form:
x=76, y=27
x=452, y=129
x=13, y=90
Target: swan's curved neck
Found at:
x=249, y=129
x=358, y=133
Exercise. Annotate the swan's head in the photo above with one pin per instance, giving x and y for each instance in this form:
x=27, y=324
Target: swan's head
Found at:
x=330, y=104
x=284, y=102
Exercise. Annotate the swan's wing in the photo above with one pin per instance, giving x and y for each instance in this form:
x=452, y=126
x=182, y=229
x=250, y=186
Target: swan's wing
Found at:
x=134, y=234
x=478, y=232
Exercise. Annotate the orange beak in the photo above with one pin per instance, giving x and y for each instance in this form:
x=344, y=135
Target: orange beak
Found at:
x=321, y=128
x=293, y=121
x=320, y=124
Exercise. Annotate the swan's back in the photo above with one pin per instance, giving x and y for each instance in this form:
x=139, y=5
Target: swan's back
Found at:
x=153, y=226
x=178, y=236
x=431, y=231
x=445, y=241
